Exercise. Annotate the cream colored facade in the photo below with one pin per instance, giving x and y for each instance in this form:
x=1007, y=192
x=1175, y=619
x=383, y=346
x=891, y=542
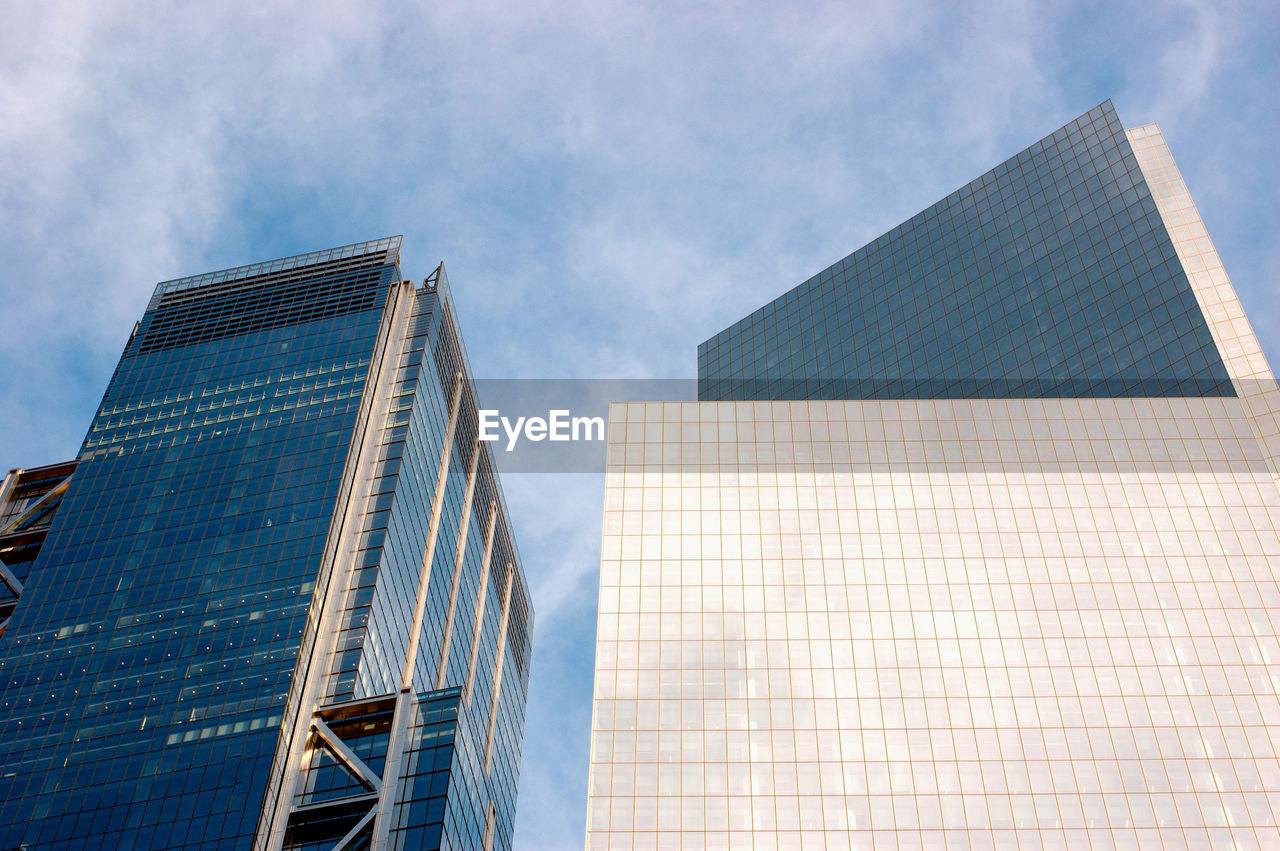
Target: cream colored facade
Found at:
x=925, y=624
x=1234, y=337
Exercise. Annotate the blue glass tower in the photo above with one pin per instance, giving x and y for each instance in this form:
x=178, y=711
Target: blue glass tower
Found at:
x=279, y=605
x=1052, y=275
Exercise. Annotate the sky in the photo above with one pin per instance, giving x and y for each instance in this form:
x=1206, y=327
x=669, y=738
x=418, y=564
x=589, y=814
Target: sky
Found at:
x=607, y=183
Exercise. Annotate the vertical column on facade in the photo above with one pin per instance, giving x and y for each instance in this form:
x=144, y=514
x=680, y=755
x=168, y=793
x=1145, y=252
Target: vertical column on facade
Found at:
x=497, y=668
x=7, y=484
x=1233, y=336
x=339, y=555
x=403, y=715
x=459, y=557
x=481, y=593
x=392, y=767
x=490, y=825
x=433, y=534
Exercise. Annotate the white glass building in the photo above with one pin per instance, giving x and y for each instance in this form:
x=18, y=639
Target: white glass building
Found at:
x=1016, y=619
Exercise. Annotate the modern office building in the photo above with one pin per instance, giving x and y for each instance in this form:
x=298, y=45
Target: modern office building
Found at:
x=971, y=542
x=279, y=605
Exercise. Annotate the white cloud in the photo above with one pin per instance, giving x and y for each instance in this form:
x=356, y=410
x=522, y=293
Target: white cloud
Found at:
x=1188, y=62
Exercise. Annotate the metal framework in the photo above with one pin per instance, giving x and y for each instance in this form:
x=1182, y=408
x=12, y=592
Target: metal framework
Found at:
x=366, y=716
x=29, y=499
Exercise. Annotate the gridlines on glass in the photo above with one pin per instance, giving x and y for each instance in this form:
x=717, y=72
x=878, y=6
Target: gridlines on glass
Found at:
x=145, y=675
x=1050, y=275
x=982, y=624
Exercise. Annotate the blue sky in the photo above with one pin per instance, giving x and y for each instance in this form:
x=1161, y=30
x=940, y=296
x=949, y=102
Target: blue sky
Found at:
x=607, y=183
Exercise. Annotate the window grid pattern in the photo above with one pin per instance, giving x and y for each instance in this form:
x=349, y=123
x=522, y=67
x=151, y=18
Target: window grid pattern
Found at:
x=970, y=624
x=370, y=651
x=422, y=806
x=1241, y=353
x=1050, y=275
x=265, y=301
x=472, y=789
x=143, y=681
x=379, y=602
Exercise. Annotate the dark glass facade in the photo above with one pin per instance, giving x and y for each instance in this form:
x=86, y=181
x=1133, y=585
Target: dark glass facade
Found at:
x=1050, y=275
x=238, y=562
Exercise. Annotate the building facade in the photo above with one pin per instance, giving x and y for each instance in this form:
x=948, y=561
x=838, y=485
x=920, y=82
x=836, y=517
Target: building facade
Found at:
x=972, y=542
x=279, y=605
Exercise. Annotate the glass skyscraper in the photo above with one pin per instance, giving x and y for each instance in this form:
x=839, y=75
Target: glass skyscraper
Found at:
x=1050, y=275
x=971, y=542
x=279, y=605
